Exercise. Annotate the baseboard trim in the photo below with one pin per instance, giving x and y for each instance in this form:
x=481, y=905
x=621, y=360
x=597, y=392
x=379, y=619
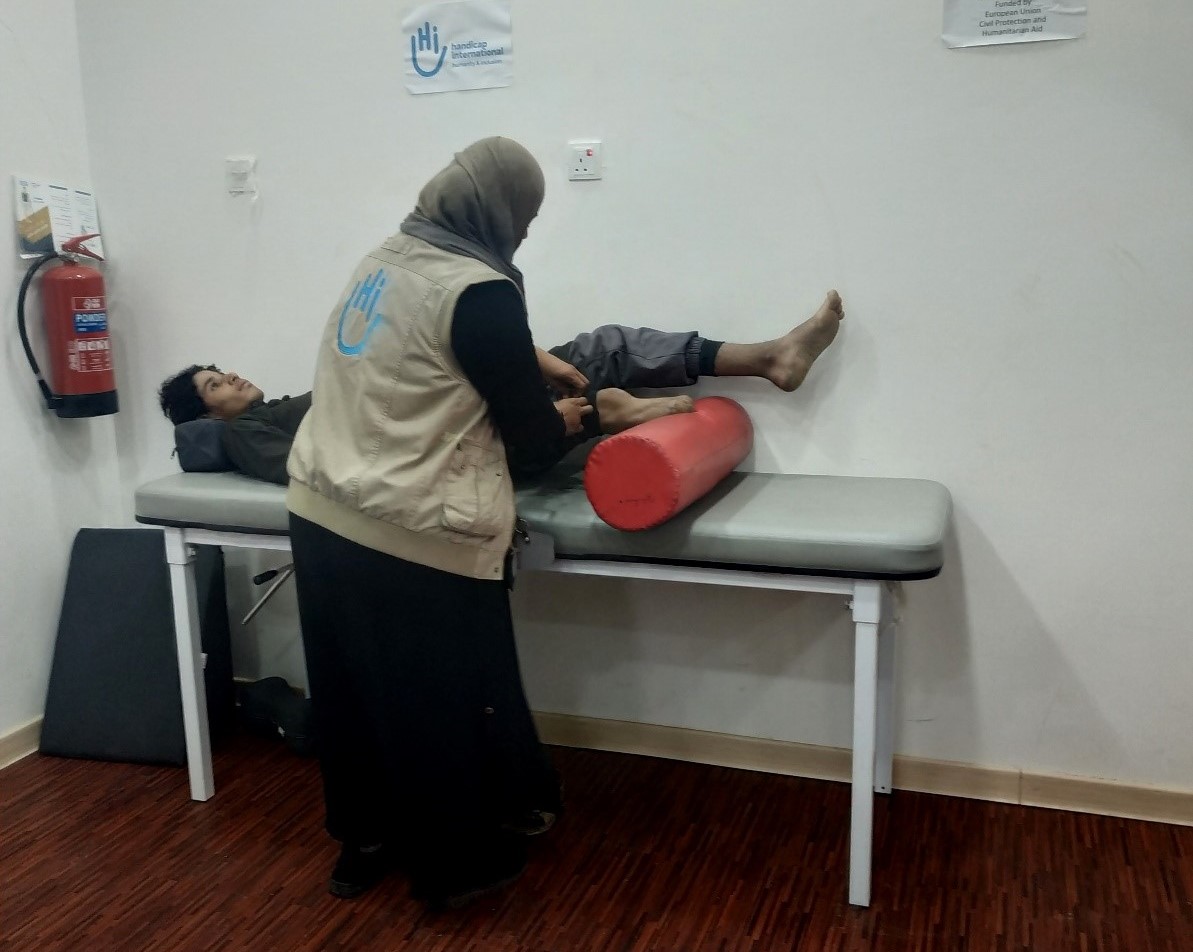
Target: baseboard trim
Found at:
x=1091, y=795
x=19, y=742
x=950, y=778
x=974, y=781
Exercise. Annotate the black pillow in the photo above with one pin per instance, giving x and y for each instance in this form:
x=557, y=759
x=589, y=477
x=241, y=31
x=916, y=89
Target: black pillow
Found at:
x=200, y=446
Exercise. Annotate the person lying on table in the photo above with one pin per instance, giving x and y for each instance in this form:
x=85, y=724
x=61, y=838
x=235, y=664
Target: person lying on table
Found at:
x=591, y=377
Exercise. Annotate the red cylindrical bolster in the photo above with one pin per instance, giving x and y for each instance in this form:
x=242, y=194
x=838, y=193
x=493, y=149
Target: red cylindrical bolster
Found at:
x=649, y=473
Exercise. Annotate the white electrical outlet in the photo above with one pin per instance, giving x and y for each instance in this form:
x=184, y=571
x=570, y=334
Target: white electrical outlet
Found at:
x=584, y=160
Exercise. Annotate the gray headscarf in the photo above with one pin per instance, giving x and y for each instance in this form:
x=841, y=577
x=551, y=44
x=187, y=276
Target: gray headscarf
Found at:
x=481, y=204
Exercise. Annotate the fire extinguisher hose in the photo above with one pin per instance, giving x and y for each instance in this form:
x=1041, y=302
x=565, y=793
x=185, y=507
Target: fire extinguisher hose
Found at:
x=52, y=400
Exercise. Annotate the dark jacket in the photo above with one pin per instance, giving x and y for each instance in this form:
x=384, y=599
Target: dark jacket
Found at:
x=258, y=441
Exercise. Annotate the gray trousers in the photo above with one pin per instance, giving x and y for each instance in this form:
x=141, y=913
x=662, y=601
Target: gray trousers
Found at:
x=630, y=358
x=626, y=358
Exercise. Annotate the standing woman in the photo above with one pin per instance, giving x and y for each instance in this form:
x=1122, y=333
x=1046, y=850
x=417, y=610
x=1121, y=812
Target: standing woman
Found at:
x=401, y=520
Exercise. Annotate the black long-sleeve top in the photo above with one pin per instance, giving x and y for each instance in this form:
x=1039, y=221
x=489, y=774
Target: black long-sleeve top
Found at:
x=492, y=343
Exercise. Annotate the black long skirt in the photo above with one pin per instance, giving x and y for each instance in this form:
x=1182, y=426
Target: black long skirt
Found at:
x=424, y=734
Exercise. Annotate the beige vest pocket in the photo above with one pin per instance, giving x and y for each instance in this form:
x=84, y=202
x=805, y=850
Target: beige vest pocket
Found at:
x=472, y=490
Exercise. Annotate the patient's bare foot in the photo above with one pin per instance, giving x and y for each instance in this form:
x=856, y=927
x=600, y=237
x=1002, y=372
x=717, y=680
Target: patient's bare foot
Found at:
x=793, y=354
x=784, y=361
x=620, y=410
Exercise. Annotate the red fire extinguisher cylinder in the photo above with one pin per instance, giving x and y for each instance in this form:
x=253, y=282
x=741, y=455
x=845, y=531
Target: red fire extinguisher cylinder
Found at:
x=75, y=317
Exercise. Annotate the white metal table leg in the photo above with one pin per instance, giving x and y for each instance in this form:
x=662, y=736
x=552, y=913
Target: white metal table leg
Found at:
x=190, y=664
x=885, y=754
x=867, y=598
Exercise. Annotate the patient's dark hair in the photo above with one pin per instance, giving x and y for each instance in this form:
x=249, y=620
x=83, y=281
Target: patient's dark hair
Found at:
x=179, y=399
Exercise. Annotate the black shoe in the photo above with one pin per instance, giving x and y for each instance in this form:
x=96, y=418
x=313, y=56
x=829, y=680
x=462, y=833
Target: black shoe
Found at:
x=493, y=869
x=358, y=870
x=271, y=707
x=531, y=823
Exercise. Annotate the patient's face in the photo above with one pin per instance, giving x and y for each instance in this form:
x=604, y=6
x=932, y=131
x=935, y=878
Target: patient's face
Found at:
x=226, y=395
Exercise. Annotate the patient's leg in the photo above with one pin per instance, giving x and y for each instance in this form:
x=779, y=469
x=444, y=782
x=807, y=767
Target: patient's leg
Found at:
x=632, y=358
x=618, y=410
x=627, y=358
x=786, y=360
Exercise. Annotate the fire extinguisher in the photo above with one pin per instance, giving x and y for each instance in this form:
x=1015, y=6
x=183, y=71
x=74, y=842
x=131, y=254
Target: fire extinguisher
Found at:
x=75, y=312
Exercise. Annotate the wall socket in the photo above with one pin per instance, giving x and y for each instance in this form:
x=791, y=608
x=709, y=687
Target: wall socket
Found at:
x=584, y=160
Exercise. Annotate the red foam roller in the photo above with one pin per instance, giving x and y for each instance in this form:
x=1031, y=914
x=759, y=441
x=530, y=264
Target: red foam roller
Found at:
x=642, y=477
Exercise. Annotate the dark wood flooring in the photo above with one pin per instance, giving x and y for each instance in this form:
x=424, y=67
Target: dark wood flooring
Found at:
x=652, y=854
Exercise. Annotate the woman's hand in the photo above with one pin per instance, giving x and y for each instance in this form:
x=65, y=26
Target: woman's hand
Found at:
x=573, y=410
x=561, y=376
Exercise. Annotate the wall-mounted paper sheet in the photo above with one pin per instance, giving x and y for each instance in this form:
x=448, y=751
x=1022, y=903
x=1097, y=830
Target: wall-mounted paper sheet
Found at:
x=466, y=44
x=985, y=22
x=48, y=214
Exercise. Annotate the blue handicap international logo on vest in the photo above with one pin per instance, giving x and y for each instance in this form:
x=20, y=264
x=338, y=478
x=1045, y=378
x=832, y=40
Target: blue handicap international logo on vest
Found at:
x=361, y=307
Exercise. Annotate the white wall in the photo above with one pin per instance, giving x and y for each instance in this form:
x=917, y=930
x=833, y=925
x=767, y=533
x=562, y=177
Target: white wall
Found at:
x=57, y=475
x=1009, y=228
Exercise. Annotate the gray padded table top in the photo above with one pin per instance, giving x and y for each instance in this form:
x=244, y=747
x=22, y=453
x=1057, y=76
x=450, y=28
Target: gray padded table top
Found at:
x=859, y=527
x=226, y=502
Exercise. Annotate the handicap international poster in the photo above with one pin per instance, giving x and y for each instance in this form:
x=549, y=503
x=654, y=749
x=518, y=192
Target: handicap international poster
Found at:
x=466, y=44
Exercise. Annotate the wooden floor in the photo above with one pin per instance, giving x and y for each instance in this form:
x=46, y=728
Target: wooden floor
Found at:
x=651, y=855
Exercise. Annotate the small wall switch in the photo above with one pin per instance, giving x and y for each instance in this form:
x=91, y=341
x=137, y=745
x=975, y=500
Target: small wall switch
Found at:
x=240, y=174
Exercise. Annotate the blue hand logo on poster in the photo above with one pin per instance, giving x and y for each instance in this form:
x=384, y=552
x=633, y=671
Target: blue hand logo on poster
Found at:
x=426, y=38
x=362, y=301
